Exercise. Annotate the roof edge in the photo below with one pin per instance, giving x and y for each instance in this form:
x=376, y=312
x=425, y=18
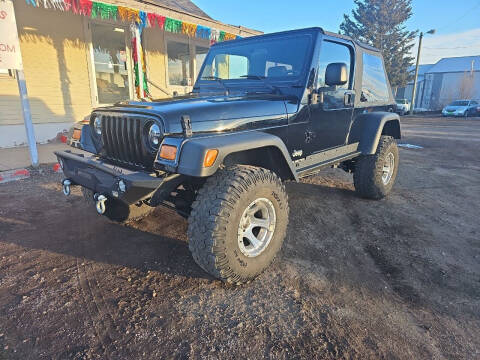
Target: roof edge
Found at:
x=208, y=19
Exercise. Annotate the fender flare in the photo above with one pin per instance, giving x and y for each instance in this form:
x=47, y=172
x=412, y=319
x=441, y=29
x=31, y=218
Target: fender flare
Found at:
x=193, y=151
x=367, y=129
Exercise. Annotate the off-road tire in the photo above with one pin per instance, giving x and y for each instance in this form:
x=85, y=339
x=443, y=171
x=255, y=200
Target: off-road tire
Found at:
x=214, y=221
x=367, y=176
x=117, y=211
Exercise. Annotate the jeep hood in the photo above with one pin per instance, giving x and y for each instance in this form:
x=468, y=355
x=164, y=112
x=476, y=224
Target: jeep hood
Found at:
x=213, y=113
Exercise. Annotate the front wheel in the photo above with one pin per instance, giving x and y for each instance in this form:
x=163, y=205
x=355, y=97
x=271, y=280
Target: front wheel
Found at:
x=238, y=222
x=375, y=174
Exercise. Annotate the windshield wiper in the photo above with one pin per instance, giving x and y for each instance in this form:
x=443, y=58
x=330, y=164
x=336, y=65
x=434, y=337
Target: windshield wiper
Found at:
x=219, y=80
x=262, y=78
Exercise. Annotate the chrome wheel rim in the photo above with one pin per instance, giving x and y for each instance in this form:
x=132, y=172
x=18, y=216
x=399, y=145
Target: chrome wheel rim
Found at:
x=388, y=167
x=256, y=228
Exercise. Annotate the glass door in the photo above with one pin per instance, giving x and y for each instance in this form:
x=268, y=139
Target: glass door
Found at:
x=110, y=62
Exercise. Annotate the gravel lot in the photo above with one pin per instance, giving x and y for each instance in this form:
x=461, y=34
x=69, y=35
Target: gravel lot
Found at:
x=398, y=278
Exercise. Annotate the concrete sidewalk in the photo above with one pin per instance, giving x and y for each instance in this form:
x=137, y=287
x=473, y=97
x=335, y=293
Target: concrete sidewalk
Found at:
x=19, y=157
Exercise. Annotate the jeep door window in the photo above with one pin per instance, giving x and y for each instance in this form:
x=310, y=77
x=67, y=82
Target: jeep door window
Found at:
x=274, y=59
x=332, y=52
x=178, y=63
x=374, y=81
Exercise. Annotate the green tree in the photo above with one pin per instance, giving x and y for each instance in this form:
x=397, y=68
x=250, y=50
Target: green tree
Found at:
x=381, y=23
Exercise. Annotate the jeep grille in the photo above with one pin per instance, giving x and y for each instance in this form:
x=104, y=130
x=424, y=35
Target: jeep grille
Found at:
x=124, y=140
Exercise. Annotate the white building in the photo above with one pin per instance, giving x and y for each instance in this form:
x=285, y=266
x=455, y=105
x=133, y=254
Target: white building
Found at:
x=448, y=80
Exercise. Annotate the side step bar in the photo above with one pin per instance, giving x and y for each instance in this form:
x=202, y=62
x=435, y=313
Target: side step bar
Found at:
x=315, y=162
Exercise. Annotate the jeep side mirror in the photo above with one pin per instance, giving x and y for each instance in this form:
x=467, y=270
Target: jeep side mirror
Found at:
x=336, y=74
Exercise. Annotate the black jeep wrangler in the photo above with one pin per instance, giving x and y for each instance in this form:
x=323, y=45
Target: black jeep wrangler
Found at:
x=264, y=110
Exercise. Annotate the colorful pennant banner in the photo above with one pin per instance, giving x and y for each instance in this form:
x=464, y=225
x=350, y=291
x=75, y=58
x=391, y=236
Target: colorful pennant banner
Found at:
x=103, y=11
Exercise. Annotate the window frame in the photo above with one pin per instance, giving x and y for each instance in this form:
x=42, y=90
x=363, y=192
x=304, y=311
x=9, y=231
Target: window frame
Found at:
x=352, y=71
x=192, y=44
x=198, y=67
x=350, y=47
x=91, y=60
x=182, y=40
x=389, y=100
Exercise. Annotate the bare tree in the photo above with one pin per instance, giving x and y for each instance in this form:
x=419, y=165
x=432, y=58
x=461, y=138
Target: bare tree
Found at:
x=466, y=85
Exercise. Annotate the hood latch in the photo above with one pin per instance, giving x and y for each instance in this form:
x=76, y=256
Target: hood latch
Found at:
x=186, y=126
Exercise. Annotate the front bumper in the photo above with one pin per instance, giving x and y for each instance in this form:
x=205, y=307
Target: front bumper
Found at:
x=109, y=180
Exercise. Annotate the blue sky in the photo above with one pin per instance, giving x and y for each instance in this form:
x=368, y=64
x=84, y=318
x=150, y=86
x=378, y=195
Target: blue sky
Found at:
x=457, y=22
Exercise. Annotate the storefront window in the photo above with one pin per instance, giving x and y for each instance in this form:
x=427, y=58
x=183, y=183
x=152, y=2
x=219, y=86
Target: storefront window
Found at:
x=178, y=63
x=110, y=63
x=200, y=54
x=227, y=67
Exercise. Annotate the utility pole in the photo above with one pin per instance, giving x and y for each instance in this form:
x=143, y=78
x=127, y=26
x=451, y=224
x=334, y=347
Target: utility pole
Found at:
x=414, y=92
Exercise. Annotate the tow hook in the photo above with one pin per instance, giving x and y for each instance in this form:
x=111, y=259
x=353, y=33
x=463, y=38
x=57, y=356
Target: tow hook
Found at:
x=100, y=203
x=66, y=186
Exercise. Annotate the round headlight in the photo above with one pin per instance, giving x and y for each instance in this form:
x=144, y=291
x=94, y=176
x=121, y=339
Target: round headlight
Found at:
x=154, y=135
x=97, y=125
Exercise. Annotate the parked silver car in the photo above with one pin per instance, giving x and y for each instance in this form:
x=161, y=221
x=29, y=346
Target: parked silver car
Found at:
x=462, y=108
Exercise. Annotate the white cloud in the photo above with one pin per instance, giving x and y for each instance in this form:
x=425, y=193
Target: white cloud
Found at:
x=435, y=47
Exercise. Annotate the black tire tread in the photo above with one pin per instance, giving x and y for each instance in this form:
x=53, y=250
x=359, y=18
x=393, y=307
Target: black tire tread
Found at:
x=210, y=215
x=365, y=178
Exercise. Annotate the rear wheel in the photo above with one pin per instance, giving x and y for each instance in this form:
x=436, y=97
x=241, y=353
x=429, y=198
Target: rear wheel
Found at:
x=238, y=223
x=375, y=174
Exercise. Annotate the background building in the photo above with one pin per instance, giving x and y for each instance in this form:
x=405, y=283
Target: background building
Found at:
x=448, y=80
x=407, y=91
x=79, y=54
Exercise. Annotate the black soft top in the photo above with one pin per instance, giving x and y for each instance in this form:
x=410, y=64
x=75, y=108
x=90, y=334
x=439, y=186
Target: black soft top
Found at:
x=310, y=30
x=345, y=37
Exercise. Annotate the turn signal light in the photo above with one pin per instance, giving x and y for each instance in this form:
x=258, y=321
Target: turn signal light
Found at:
x=168, y=152
x=77, y=134
x=210, y=157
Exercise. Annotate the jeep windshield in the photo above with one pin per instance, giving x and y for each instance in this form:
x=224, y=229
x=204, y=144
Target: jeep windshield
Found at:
x=257, y=62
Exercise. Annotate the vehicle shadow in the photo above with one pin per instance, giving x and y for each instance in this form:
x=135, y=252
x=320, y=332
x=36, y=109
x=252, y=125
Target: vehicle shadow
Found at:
x=44, y=219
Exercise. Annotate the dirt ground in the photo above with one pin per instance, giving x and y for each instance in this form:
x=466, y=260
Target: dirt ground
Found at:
x=394, y=279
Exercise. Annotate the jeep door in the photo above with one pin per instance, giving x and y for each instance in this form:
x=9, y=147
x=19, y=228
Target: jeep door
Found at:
x=331, y=115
